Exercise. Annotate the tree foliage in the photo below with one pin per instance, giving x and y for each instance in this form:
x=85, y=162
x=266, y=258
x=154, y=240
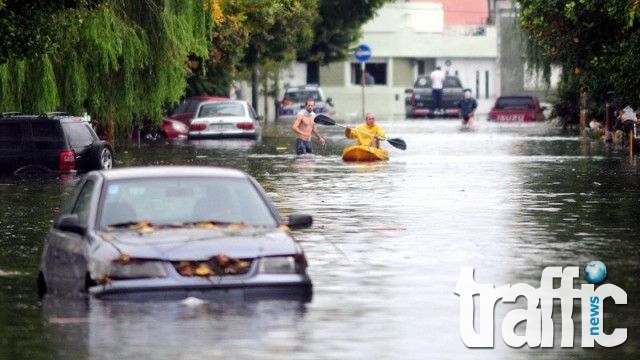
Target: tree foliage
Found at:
x=120, y=60
x=251, y=34
x=594, y=42
x=338, y=27
x=31, y=28
x=124, y=60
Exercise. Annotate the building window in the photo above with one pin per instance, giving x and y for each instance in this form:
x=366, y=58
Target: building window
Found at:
x=377, y=70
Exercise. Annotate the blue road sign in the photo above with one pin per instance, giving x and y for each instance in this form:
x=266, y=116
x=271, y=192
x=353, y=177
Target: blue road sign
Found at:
x=363, y=53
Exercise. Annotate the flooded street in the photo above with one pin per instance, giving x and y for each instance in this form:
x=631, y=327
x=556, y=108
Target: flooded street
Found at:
x=384, y=253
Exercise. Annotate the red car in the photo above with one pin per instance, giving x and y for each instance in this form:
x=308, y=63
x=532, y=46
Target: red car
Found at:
x=517, y=109
x=176, y=125
x=185, y=111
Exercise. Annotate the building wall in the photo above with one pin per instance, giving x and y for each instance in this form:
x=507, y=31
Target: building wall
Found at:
x=333, y=74
x=403, y=72
x=462, y=12
x=479, y=75
x=294, y=75
x=510, y=54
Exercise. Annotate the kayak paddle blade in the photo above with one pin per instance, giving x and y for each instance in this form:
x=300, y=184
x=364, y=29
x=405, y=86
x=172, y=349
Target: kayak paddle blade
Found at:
x=324, y=120
x=398, y=143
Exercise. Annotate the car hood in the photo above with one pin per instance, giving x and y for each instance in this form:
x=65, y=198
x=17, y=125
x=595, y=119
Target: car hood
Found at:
x=201, y=244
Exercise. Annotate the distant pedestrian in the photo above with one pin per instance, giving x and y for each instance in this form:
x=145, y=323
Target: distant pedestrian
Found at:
x=437, y=83
x=467, y=107
x=369, y=79
x=304, y=126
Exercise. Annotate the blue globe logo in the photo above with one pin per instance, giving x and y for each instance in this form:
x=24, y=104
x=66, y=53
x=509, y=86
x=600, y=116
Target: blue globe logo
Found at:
x=595, y=272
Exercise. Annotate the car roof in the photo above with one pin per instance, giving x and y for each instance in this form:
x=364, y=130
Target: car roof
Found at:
x=205, y=98
x=61, y=118
x=226, y=101
x=303, y=88
x=140, y=172
x=517, y=97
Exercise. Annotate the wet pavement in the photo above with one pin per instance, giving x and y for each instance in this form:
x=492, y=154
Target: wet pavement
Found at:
x=385, y=250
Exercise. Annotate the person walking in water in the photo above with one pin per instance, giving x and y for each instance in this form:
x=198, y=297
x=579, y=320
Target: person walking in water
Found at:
x=367, y=134
x=467, y=107
x=304, y=126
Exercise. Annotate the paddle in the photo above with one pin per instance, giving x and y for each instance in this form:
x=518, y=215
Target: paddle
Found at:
x=325, y=120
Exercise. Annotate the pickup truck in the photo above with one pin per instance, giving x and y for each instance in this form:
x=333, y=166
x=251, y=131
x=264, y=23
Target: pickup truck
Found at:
x=418, y=102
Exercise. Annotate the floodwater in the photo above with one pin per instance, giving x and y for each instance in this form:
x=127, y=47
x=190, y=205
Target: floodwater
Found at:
x=385, y=252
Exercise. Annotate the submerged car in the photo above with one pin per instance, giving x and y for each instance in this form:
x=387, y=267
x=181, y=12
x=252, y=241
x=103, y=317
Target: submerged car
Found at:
x=186, y=111
x=517, y=109
x=295, y=97
x=170, y=130
x=225, y=119
x=51, y=144
x=155, y=233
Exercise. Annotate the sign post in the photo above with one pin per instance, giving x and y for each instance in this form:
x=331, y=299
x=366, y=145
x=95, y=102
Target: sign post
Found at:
x=363, y=53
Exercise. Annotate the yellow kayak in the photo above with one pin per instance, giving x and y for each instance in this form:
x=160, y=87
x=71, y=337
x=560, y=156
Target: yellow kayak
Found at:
x=364, y=153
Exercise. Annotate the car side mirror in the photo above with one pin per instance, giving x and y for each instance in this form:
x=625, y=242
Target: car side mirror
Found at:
x=330, y=101
x=70, y=223
x=408, y=91
x=259, y=117
x=299, y=221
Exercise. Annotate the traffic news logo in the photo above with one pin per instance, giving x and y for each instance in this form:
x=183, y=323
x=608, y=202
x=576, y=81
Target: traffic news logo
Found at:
x=538, y=314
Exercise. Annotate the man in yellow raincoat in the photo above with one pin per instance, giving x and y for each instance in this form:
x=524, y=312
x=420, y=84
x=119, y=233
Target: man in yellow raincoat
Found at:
x=368, y=134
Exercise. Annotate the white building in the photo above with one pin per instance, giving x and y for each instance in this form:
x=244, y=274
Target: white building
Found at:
x=407, y=39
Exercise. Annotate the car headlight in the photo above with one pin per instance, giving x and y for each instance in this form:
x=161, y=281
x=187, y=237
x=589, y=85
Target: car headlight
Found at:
x=283, y=264
x=132, y=269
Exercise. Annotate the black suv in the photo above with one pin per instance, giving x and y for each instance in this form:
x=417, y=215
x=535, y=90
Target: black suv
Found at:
x=50, y=143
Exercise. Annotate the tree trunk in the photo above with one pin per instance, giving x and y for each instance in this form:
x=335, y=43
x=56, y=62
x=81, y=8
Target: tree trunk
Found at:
x=110, y=130
x=265, y=86
x=254, y=89
x=276, y=103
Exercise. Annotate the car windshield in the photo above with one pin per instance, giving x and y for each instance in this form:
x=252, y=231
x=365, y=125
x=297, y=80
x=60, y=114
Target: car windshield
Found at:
x=301, y=96
x=223, y=108
x=184, y=201
x=515, y=103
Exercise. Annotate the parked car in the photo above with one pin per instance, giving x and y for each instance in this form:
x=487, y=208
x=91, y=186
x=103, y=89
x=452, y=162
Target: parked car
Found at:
x=173, y=232
x=295, y=97
x=225, y=119
x=186, y=111
x=517, y=108
x=419, y=103
x=170, y=130
x=44, y=143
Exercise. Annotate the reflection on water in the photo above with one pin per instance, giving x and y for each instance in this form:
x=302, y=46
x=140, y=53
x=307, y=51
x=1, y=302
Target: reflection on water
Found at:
x=168, y=330
x=385, y=250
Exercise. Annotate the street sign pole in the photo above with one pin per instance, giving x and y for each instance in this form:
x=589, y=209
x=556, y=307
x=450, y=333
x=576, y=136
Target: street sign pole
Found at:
x=363, y=53
x=362, y=82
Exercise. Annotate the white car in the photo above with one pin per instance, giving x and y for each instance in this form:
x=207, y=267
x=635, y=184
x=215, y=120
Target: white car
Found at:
x=225, y=119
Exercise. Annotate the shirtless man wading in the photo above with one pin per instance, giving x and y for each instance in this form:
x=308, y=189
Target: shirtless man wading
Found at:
x=304, y=126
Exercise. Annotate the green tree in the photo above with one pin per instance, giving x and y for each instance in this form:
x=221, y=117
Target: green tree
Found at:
x=121, y=61
x=593, y=41
x=31, y=28
x=338, y=28
x=249, y=35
